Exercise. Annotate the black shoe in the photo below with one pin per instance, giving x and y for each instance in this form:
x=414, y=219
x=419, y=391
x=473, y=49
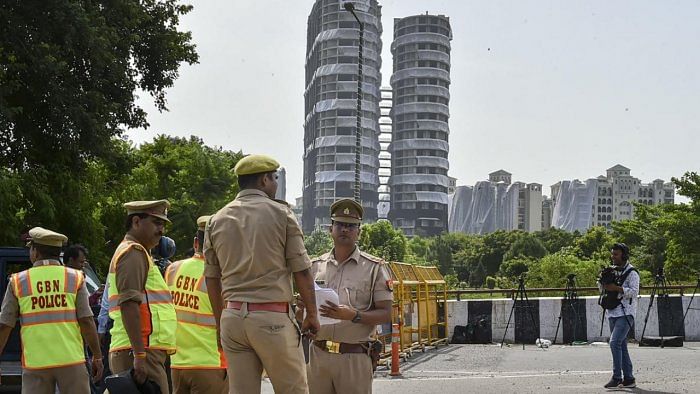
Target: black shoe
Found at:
x=613, y=383
x=628, y=383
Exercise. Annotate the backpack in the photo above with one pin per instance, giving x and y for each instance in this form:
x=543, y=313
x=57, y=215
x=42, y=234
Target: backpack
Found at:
x=609, y=299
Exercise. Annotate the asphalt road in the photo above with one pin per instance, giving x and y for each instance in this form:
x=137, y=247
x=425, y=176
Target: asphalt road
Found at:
x=558, y=369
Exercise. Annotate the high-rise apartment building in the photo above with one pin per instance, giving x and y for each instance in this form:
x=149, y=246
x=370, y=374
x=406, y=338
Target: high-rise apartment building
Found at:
x=496, y=204
x=330, y=108
x=420, y=113
x=607, y=198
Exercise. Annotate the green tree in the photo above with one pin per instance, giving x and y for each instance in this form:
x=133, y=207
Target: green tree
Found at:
x=554, y=239
x=682, y=229
x=552, y=270
x=645, y=235
x=513, y=268
x=382, y=240
x=495, y=246
x=70, y=70
x=318, y=242
x=196, y=179
x=527, y=246
x=594, y=244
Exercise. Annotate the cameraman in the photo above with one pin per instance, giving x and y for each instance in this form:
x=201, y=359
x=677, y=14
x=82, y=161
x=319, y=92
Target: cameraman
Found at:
x=620, y=300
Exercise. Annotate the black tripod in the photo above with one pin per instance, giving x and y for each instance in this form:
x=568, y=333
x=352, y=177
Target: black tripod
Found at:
x=522, y=295
x=695, y=290
x=570, y=300
x=660, y=291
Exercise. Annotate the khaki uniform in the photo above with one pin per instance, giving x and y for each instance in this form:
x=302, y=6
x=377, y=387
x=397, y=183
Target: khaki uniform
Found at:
x=70, y=379
x=352, y=280
x=131, y=273
x=254, y=244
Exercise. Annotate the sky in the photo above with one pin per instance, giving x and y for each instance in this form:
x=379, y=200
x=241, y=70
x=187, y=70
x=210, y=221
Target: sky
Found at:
x=547, y=90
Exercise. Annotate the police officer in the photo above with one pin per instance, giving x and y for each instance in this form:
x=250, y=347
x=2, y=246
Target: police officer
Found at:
x=52, y=304
x=199, y=365
x=139, y=300
x=253, y=247
x=339, y=358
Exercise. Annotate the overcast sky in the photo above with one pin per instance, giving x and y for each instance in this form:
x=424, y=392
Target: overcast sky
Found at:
x=547, y=90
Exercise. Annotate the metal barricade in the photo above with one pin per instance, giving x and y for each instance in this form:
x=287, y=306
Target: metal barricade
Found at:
x=432, y=306
x=406, y=285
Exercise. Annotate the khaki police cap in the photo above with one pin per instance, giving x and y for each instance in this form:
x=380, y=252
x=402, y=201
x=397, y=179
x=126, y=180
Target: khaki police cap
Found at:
x=255, y=164
x=202, y=222
x=158, y=208
x=46, y=237
x=347, y=211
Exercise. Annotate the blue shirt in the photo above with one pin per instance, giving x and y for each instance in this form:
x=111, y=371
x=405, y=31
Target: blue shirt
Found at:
x=103, y=318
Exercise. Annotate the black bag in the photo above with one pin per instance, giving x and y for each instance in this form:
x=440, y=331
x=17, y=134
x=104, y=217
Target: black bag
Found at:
x=610, y=299
x=460, y=335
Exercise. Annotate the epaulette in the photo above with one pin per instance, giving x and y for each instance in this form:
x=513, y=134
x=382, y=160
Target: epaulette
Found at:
x=322, y=257
x=281, y=202
x=371, y=258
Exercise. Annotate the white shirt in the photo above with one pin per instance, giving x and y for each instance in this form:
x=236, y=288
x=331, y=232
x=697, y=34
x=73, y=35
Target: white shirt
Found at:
x=629, y=296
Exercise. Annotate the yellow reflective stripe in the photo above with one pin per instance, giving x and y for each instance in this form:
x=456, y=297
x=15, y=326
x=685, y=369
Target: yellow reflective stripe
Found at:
x=62, y=316
x=195, y=318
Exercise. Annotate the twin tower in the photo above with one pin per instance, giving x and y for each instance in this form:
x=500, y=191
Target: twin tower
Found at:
x=416, y=180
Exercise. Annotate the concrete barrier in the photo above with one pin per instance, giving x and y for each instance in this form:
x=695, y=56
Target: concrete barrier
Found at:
x=579, y=322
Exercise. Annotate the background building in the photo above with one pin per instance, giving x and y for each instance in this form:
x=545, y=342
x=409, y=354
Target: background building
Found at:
x=385, y=131
x=496, y=204
x=420, y=113
x=330, y=102
x=607, y=198
x=281, y=184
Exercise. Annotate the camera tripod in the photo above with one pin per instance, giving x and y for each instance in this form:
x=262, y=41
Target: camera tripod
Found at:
x=660, y=291
x=522, y=296
x=690, y=303
x=570, y=300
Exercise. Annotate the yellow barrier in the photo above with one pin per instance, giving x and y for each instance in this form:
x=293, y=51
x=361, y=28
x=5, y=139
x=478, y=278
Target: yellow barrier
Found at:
x=425, y=288
x=405, y=285
x=432, y=306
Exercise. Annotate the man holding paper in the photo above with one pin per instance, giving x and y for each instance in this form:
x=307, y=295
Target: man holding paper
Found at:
x=339, y=357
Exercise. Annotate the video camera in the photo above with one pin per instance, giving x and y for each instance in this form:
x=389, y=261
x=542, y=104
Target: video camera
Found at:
x=607, y=275
x=163, y=252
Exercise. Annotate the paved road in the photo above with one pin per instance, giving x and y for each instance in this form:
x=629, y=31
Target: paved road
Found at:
x=559, y=369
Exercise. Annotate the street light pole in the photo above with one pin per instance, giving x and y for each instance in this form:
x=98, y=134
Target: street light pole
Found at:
x=358, y=130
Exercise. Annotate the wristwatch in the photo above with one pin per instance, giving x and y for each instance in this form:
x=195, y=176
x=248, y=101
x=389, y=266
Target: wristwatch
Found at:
x=357, y=317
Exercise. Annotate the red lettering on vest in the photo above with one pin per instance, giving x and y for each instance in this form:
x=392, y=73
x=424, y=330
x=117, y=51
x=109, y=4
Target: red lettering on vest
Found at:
x=185, y=300
x=49, y=301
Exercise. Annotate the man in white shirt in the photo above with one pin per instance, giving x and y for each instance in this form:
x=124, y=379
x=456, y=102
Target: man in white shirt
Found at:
x=624, y=292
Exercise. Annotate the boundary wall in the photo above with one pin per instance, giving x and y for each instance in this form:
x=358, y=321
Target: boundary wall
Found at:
x=491, y=315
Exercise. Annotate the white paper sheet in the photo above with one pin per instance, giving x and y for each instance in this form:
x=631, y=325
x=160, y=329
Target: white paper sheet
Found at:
x=322, y=296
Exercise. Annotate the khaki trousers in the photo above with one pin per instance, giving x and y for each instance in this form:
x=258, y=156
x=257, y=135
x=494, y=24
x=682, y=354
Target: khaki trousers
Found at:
x=123, y=360
x=199, y=381
x=339, y=373
x=72, y=379
x=256, y=340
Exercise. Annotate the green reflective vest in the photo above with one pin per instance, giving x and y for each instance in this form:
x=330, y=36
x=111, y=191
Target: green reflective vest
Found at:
x=50, y=332
x=158, y=321
x=197, y=345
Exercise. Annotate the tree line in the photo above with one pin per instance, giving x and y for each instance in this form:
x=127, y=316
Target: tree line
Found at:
x=665, y=236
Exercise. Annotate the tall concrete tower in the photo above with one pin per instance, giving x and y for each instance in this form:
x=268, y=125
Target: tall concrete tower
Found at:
x=420, y=84
x=330, y=102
